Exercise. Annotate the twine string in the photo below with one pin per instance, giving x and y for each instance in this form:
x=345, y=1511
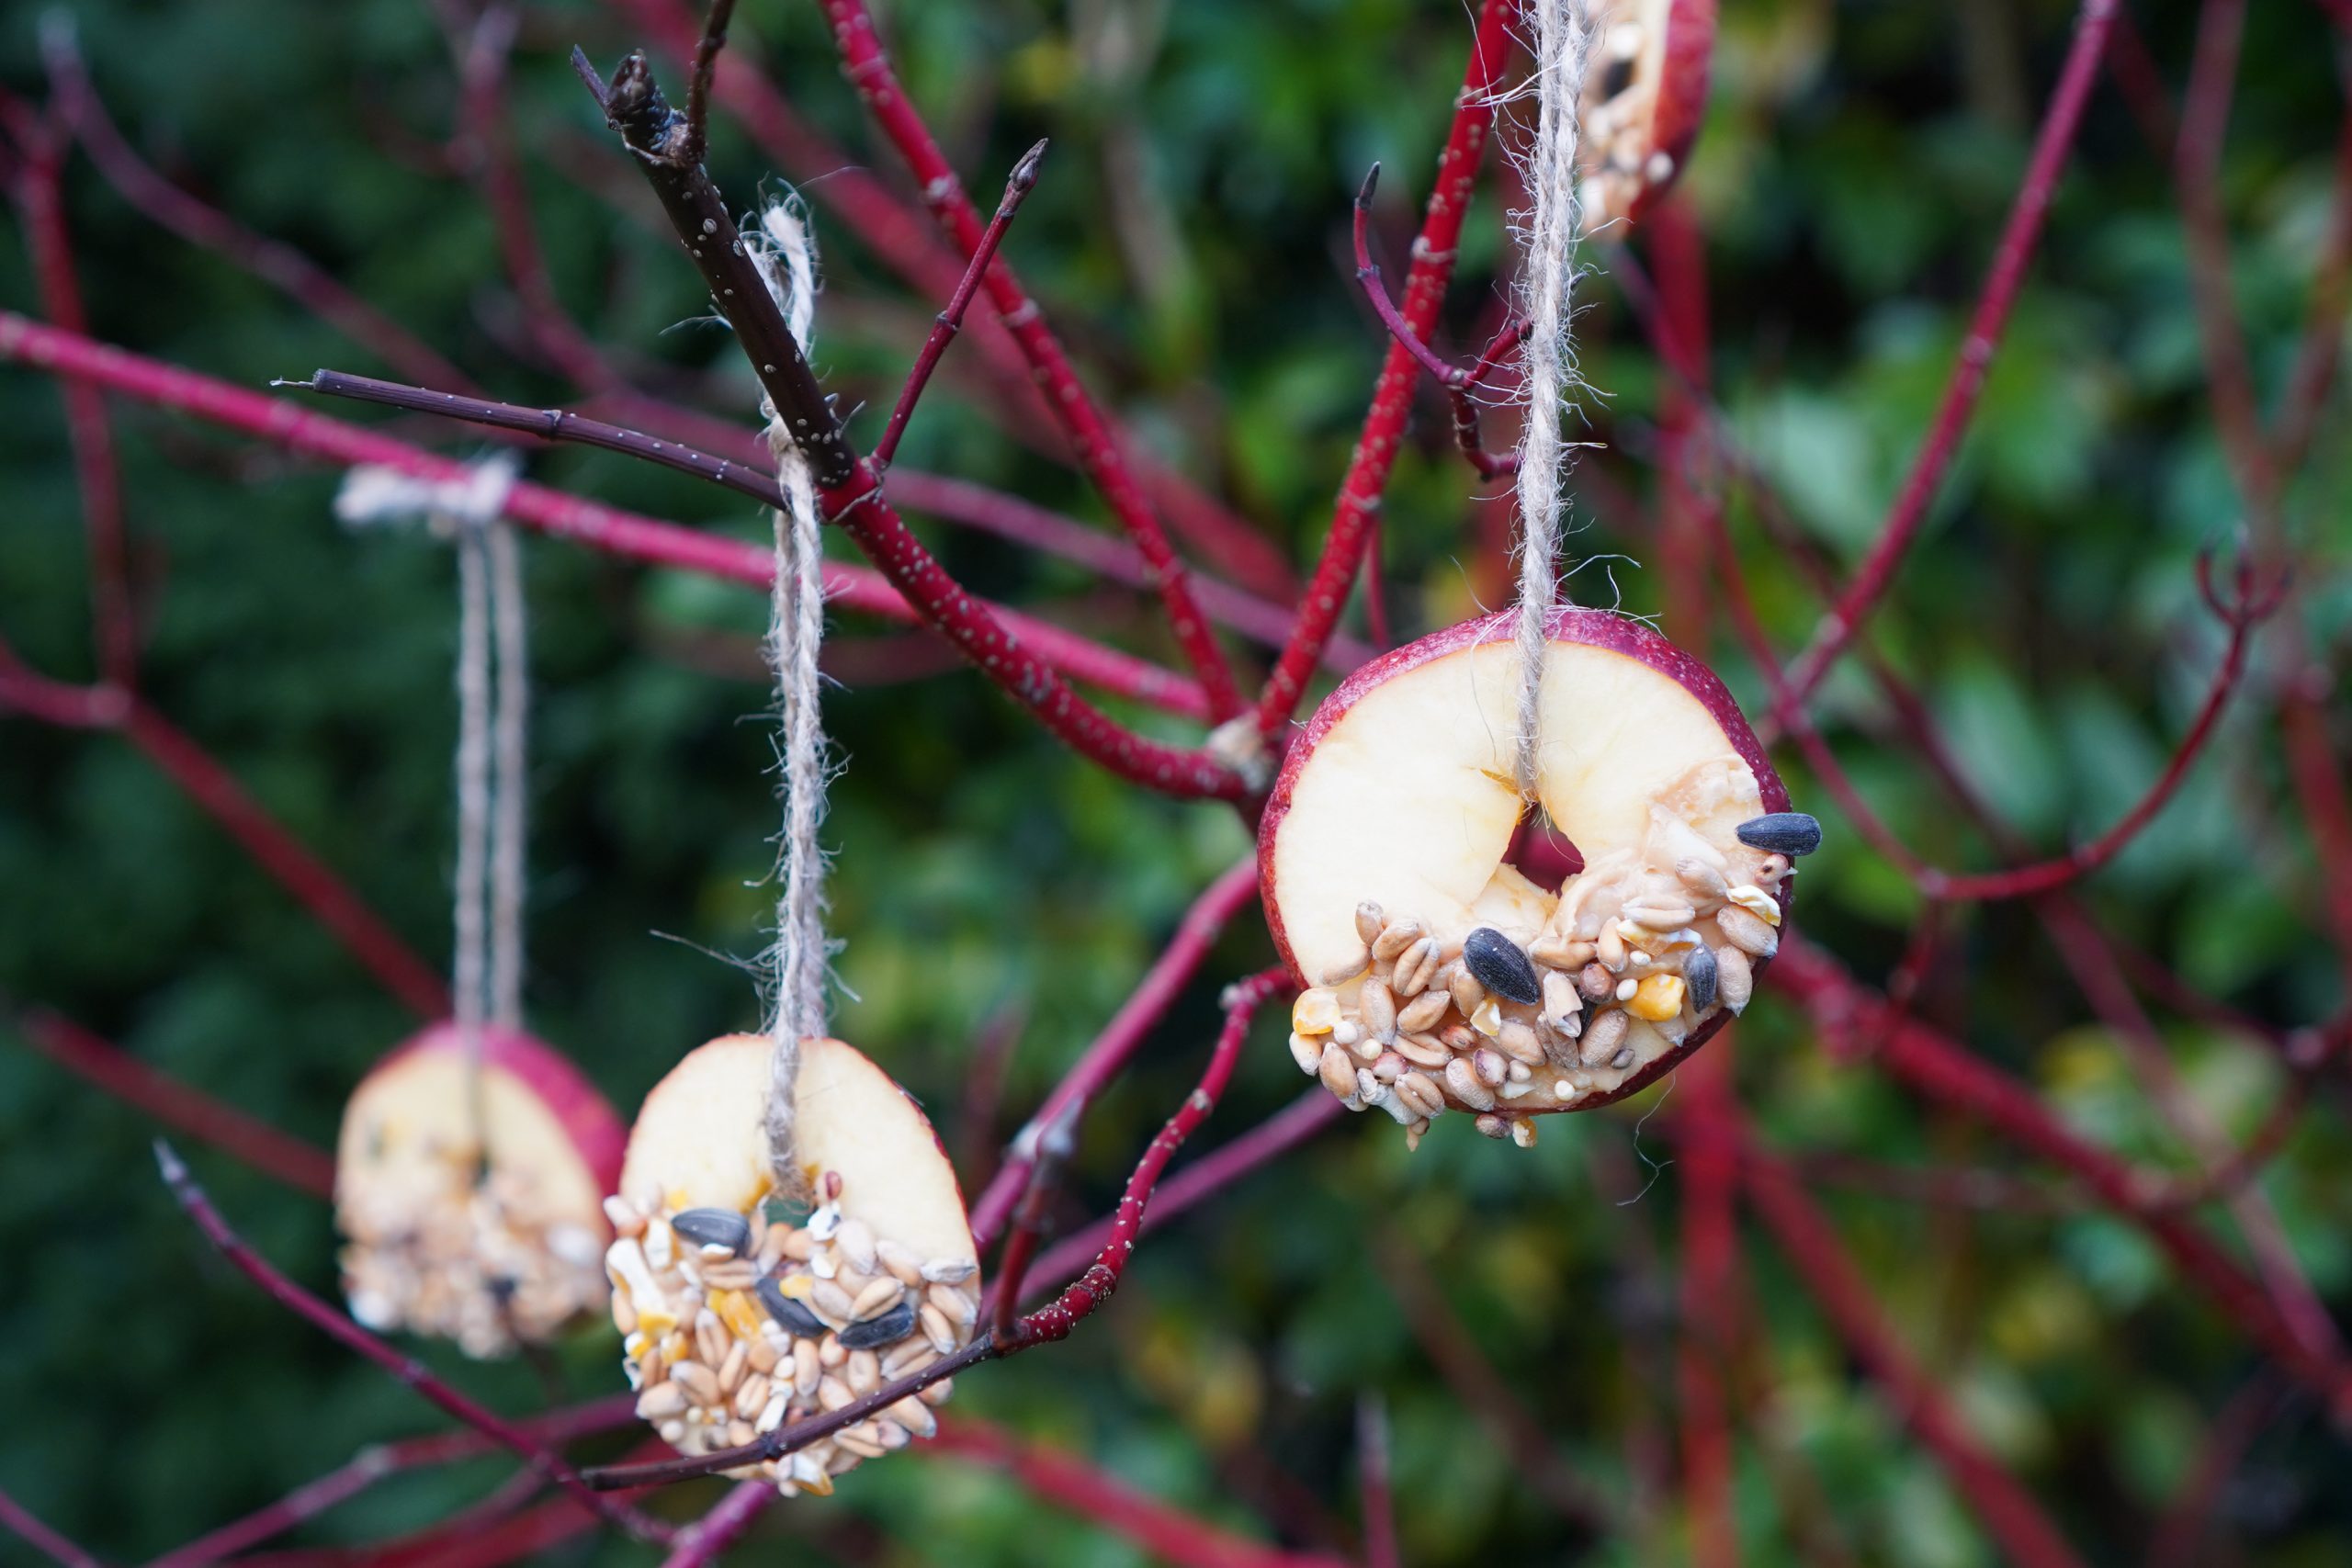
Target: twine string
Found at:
x=493, y=696
x=795, y=632
x=1549, y=230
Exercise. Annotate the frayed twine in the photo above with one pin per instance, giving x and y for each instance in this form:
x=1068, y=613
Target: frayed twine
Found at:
x=784, y=248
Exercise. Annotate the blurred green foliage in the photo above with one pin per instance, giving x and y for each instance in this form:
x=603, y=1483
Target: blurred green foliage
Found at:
x=1190, y=239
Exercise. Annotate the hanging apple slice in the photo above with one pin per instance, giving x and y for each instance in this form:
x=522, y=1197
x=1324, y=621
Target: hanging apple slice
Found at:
x=1438, y=973
x=1645, y=93
x=739, y=1318
x=441, y=1240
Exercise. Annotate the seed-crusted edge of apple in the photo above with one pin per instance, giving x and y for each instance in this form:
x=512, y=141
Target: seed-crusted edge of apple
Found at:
x=1596, y=628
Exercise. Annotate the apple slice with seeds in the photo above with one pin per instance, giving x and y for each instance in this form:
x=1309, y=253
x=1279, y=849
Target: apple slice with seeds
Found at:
x=440, y=1241
x=1439, y=974
x=736, y=1319
x=1646, y=94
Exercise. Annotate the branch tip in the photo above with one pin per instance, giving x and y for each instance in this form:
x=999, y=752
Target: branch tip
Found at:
x=1024, y=172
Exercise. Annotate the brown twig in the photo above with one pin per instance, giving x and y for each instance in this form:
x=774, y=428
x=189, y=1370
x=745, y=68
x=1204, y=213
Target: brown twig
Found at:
x=706, y=52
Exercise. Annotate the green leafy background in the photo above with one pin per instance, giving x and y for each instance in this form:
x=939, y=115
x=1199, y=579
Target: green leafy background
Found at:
x=1188, y=237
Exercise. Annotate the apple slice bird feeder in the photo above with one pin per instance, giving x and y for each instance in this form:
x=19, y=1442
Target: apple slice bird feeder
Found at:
x=738, y=1318
x=1438, y=973
x=468, y=1194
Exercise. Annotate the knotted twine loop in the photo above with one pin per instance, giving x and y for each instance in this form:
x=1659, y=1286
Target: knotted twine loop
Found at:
x=787, y=257
x=494, y=703
x=1550, y=230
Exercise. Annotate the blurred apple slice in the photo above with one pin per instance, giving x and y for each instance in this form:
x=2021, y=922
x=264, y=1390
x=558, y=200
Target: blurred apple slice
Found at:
x=441, y=1240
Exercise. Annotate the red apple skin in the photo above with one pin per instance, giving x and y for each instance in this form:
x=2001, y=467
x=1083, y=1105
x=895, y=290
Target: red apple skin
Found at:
x=1680, y=104
x=1596, y=628
x=584, y=1112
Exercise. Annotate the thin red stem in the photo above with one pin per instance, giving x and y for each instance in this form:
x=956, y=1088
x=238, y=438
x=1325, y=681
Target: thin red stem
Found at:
x=1489, y=1398
x=278, y=264
x=27, y=1527
x=1392, y=397
x=39, y=199
x=288, y=425
x=703, y=1541
x=1459, y=383
x=299, y=1165
x=1116, y=1045
x=2020, y=237
x=378, y=1460
x=204, y=780
x=950, y=321
x=1065, y=1478
x=1101, y=454
x=407, y=1371
x=1948, y=1074
x=1374, y=1480
x=952, y=499
x=1204, y=1178
x=2003, y=1506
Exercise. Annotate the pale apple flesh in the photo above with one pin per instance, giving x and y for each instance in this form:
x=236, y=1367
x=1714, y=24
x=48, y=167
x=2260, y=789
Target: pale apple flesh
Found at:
x=470, y=1206
x=740, y=1312
x=1645, y=93
x=1399, y=805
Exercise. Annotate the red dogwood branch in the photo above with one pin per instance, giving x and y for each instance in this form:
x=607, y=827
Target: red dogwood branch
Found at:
x=1392, y=397
x=1947, y=1072
x=1100, y=451
x=378, y=1460
x=407, y=1371
x=39, y=200
x=614, y=532
x=2020, y=237
x=28, y=1527
x=703, y=1541
x=2001, y=1505
x=1121, y=1038
x=277, y=264
x=213, y=788
x=1069, y=1482
x=1206, y=1178
x=242, y=1137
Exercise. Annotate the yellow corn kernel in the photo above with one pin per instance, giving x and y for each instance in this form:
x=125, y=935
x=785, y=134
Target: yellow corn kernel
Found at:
x=1317, y=1011
x=735, y=1309
x=1657, y=999
x=656, y=1322
x=1488, y=1019
x=798, y=1287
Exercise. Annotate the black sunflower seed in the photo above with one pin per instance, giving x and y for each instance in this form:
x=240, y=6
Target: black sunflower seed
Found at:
x=1496, y=962
x=889, y=1328
x=1782, y=832
x=1699, y=974
x=796, y=1318
x=714, y=1227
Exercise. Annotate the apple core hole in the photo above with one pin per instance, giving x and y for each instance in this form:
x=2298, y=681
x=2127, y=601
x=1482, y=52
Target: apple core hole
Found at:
x=1541, y=853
